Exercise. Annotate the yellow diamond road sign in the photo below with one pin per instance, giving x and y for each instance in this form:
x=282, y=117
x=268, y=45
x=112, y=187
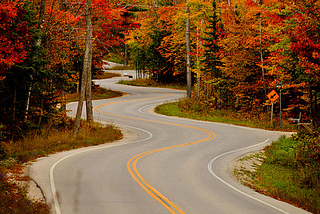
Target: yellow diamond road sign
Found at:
x=273, y=96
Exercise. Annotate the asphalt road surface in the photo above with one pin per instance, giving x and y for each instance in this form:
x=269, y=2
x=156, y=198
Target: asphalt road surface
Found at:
x=164, y=164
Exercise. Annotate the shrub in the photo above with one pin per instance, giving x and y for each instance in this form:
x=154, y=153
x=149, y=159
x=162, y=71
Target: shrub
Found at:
x=308, y=158
x=13, y=199
x=291, y=170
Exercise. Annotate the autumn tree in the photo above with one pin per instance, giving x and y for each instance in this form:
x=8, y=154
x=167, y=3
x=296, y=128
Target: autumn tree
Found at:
x=162, y=35
x=15, y=34
x=17, y=61
x=293, y=57
x=241, y=55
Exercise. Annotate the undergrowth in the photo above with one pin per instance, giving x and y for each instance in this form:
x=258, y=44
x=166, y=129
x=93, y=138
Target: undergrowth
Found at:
x=291, y=171
x=150, y=83
x=13, y=199
x=46, y=141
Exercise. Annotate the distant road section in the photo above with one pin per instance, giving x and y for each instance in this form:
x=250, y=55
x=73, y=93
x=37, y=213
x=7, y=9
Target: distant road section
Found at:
x=109, y=65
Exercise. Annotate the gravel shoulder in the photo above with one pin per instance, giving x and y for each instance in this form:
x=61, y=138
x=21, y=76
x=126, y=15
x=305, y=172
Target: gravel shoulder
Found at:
x=243, y=167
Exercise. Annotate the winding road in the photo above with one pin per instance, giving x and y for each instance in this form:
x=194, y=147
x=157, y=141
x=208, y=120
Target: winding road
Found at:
x=163, y=164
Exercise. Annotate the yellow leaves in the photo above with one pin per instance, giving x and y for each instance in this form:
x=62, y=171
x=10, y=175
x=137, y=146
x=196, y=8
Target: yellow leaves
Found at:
x=197, y=72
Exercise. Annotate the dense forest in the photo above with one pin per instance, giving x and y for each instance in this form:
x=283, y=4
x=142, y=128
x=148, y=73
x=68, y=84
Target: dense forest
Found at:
x=45, y=47
x=240, y=51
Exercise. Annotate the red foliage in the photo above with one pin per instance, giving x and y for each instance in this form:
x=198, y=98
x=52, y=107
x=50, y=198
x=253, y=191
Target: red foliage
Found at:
x=14, y=35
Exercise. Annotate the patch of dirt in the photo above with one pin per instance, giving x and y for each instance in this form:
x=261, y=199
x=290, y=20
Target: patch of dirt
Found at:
x=244, y=167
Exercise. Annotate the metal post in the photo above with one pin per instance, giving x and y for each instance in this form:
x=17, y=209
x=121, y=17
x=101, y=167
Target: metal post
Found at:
x=280, y=107
x=271, y=114
x=280, y=86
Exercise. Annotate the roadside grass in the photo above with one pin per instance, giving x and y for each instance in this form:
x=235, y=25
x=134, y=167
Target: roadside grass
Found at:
x=121, y=67
x=290, y=171
x=108, y=75
x=97, y=93
x=55, y=137
x=52, y=139
x=113, y=57
x=150, y=83
x=195, y=110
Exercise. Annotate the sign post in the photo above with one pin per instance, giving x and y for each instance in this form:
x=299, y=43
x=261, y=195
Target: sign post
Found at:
x=273, y=96
x=271, y=114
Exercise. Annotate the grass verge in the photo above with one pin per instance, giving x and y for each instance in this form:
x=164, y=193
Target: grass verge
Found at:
x=108, y=75
x=97, y=93
x=150, y=83
x=289, y=170
x=121, y=67
x=47, y=141
x=196, y=111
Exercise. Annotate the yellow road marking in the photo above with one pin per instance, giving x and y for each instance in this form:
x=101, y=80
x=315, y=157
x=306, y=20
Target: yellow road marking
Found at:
x=132, y=163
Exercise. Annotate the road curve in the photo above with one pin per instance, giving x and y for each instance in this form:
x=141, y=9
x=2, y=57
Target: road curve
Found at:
x=172, y=165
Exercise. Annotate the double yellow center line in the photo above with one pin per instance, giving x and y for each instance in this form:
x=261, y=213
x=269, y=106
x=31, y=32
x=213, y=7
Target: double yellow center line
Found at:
x=132, y=163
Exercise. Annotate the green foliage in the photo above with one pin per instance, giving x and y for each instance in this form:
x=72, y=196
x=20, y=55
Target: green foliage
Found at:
x=210, y=60
x=308, y=158
x=291, y=170
x=155, y=62
x=283, y=152
x=194, y=106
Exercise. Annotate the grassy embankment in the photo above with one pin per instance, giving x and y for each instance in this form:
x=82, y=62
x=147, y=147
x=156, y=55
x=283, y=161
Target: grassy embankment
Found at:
x=150, y=83
x=15, y=154
x=290, y=169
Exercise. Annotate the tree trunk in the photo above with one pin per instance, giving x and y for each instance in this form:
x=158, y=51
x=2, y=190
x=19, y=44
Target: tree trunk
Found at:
x=76, y=125
x=89, y=63
x=85, y=90
x=89, y=85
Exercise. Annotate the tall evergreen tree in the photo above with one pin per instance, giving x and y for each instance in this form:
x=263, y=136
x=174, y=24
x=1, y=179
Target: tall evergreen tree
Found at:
x=210, y=59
